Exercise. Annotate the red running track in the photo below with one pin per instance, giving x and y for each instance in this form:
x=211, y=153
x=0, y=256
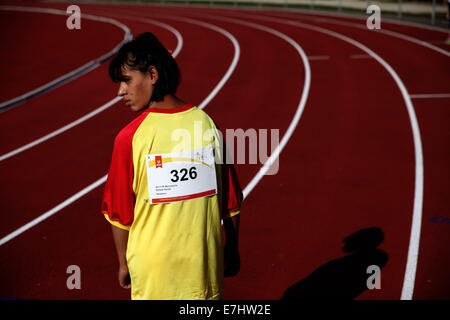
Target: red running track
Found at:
x=38, y=48
x=349, y=164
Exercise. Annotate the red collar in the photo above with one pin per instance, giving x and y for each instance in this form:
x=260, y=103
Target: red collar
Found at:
x=172, y=110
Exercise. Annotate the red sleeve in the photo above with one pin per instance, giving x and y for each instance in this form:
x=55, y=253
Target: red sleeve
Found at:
x=232, y=193
x=118, y=197
x=231, y=189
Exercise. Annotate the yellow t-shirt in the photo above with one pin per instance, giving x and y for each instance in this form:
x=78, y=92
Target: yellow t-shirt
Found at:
x=175, y=250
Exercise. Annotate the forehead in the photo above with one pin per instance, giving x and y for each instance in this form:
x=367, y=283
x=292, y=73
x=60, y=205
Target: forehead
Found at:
x=126, y=71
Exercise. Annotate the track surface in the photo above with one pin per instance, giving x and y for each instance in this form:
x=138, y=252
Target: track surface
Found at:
x=349, y=164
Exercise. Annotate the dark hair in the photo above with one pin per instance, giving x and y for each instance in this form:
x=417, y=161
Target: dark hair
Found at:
x=141, y=53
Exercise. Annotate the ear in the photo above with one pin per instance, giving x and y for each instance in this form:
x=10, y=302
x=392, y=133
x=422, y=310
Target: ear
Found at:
x=153, y=73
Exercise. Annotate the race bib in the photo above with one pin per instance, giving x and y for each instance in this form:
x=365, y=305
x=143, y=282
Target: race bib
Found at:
x=181, y=176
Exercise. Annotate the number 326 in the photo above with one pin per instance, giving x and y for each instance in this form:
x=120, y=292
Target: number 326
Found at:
x=185, y=175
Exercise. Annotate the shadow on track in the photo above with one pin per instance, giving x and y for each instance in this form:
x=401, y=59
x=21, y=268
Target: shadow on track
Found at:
x=344, y=278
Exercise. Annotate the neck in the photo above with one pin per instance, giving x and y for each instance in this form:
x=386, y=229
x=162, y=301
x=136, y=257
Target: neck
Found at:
x=169, y=102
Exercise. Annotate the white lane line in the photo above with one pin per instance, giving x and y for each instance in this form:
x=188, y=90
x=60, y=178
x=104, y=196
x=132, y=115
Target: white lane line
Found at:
x=413, y=250
x=357, y=17
x=102, y=180
x=301, y=105
x=215, y=28
x=307, y=14
x=51, y=212
x=237, y=53
x=154, y=22
x=382, y=30
x=96, y=111
x=303, y=11
x=430, y=96
x=60, y=130
x=73, y=74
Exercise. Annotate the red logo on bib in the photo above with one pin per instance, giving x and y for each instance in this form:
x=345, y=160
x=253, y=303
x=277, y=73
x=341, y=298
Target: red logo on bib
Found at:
x=158, y=161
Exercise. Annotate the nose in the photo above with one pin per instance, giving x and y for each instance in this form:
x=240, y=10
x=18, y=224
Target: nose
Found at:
x=122, y=89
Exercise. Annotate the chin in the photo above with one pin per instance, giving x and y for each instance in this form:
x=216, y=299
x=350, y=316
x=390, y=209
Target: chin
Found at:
x=136, y=108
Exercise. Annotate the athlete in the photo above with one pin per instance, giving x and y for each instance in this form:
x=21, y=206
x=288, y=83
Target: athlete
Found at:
x=168, y=188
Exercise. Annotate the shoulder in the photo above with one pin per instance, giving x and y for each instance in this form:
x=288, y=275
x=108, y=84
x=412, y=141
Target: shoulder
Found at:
x=125, y=136
x=204, y=116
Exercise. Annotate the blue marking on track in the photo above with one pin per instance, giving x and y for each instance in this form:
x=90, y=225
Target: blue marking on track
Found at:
x=439, y=220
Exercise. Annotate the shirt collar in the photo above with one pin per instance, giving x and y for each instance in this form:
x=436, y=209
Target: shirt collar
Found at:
x=172, y=110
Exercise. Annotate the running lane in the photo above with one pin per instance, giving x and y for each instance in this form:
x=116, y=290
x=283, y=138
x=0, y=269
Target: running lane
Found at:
x=38, y=48
x=423, y=71
x=334, y=180
x=45, y=113
x=430, y=34
x=432, y=66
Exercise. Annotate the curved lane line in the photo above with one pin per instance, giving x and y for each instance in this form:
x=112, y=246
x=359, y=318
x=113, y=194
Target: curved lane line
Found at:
x=233, y=40
x=304, y=11
x=156, y=23
x=73, y=74
x=413, y=250
x=60, y=130
x=102, y=180
x=234, y=62
x=430, y=96
x=363, y=27
x=346, y=15
x=301, y=105
x=96, y=111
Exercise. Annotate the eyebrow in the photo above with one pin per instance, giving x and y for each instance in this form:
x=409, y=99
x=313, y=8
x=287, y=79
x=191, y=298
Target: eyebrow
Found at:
x=123, y=78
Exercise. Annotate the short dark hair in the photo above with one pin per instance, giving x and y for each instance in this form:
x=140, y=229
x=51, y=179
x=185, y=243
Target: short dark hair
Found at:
x=141, y=53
